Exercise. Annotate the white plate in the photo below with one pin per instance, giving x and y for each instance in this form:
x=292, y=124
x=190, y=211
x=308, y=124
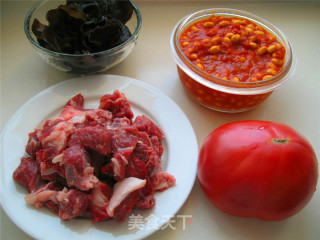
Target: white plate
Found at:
x=179, y=158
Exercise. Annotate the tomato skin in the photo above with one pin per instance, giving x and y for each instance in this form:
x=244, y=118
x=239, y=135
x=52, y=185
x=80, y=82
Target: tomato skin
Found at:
x=258, y=169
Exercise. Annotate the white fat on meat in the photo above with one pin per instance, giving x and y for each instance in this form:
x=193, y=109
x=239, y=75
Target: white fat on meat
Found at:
x=73, y=115
x=58, y=159
x=59, y=135
x=62, y=196
x=98, y=197
x=118, y=165
x=46, y=171
x=78, y=119
x=39, y=197
x=162, y=180
x=88, y=180
x=121, y=190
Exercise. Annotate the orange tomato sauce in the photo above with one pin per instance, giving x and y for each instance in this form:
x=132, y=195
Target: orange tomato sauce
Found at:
x=217, y=100
x=233, y=48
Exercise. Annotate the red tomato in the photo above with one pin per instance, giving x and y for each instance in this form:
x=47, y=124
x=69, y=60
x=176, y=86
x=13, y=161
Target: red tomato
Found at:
x=258, y=169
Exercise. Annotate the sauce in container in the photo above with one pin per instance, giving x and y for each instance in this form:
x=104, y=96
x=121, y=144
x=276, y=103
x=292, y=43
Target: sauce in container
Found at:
x=230, y=60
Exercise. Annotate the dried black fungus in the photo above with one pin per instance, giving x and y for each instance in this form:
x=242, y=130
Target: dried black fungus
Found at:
x=81, y=27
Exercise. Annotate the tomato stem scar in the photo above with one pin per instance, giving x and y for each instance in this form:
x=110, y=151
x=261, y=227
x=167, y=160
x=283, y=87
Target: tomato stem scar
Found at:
x=280, y=140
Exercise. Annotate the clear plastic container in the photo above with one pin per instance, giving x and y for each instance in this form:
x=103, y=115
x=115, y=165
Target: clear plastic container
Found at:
x=226, y=95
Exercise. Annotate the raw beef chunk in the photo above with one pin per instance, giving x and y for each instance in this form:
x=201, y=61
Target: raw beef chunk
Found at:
x=78, y=171
x=72, y=203
x=101, y=195
x=146, y=199
x=162, y=180
x=67, y=203
x=27, y=174
x=124, y=140
x=34, y=144
x=76, y=102
x=55, y=134
x=117, y=104
x=48, y=169
x=95, y=138
x=94, y=162
x=125, y=194
x=136, y=168
x=45, y=194
x=85, y=117
x=144, y=124
x=148, y=154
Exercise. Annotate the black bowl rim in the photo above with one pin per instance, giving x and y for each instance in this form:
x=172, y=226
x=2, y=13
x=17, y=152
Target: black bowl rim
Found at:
x=111, y=50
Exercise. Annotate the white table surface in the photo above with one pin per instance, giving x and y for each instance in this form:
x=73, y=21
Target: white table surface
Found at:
x=24, y=74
